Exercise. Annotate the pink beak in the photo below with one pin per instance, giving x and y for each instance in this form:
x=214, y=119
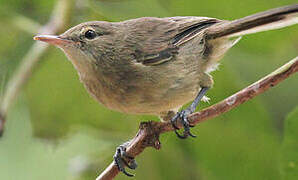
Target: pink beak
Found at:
x=54, y=40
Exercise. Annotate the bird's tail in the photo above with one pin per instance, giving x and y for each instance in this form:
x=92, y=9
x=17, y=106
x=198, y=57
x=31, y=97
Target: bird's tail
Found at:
x=267, y=20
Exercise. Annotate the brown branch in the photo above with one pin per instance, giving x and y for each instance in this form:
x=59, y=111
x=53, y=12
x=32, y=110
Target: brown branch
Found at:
x=57, y=22
x=148, y=134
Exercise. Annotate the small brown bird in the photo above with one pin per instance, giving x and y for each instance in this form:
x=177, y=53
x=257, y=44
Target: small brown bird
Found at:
x=155, y=65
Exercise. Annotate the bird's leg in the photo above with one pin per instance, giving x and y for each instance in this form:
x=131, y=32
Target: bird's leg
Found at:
x=121, y=159
x=183, y=115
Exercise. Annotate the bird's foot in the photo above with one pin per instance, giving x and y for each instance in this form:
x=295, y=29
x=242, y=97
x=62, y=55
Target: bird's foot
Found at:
x=183, y=116
x=121, y=160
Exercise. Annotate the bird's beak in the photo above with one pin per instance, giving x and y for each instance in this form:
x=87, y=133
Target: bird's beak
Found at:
x=54, y=40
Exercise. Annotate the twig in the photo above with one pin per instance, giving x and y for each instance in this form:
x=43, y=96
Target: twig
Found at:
x=15, y=84
x=148, y=134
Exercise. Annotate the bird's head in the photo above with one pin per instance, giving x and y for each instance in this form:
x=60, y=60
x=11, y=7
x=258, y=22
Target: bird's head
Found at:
x=85, y=43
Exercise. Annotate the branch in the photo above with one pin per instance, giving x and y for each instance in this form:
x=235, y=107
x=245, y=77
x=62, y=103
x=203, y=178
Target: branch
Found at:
x=148, y=134
x=57, y=22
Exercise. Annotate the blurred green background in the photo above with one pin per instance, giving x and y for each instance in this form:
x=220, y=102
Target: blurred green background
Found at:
x=55, y=130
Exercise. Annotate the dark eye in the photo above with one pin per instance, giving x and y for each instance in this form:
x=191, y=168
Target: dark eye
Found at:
x=90, y=34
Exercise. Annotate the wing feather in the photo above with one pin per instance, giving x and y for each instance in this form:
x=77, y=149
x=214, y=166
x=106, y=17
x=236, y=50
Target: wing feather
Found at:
x=157, y=40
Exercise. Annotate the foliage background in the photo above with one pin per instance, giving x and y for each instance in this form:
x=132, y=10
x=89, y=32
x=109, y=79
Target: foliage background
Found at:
x=57, y=131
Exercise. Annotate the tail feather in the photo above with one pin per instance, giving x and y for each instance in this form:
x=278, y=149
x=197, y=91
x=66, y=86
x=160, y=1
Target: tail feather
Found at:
x=268, y=20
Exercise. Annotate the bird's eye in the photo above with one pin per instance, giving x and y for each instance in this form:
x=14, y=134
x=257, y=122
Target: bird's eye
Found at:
x=90, y=34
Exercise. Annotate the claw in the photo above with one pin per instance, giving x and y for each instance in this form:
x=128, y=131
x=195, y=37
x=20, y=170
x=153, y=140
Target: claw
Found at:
x=183, y=116
x=132, y=163
x=127, y=174
x=191, y=135
x=191, y=126
x=187, y=127
x=119, y=159
x=184, y=136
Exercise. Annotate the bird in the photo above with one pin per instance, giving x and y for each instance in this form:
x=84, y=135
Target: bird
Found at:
x=153, y=65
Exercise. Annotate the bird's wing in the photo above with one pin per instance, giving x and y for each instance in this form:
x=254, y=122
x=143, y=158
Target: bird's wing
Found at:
x=157, y=40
